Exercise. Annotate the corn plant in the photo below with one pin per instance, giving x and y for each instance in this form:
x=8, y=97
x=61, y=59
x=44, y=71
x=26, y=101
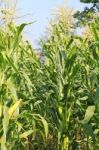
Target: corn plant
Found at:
x=50, y=103
x=17, y=91
x=71, y=69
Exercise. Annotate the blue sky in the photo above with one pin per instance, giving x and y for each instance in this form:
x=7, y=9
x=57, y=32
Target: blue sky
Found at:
x=40, y=11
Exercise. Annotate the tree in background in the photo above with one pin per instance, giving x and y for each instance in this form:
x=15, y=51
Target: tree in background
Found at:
x=89, y=1
x=88, y=13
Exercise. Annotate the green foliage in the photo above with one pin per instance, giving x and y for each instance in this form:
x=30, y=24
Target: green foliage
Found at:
x=19, y=76
x=88, y=14
x=50, y=103
x=89, y=1
x=72, y=71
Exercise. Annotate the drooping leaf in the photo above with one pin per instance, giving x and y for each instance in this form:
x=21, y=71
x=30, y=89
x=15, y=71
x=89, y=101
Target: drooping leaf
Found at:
x=19, y=31
x=13, y=108
x=44, y=122
x=89, y=114
x=26, y=134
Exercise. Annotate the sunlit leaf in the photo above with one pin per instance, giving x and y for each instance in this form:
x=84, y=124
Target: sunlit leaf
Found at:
x=13, y=108
x=89, y=114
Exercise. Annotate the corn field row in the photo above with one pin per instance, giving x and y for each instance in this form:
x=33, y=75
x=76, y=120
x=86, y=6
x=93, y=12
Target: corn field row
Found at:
x=50, y=102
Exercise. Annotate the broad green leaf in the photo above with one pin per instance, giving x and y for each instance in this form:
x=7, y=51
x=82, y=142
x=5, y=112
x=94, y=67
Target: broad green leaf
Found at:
x=26, y=134
x=17, y=36
x=13, y=108
x=37, y=103
x=44, y=122
x=89, y=114
x=84, y=98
